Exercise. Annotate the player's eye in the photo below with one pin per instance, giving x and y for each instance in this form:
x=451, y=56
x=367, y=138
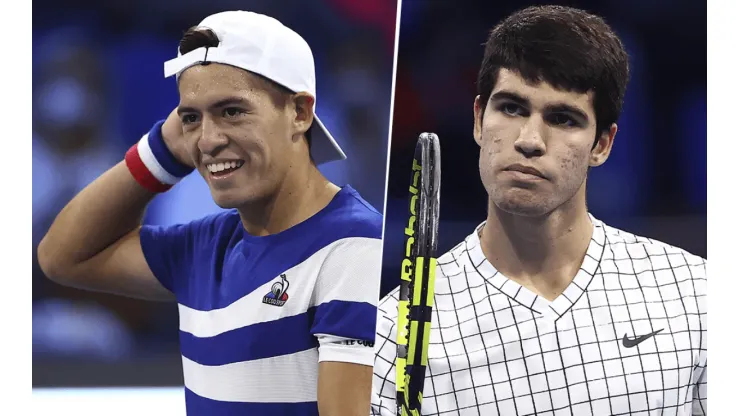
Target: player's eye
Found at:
x=233, y=112
x=188, y=119
x=511, y=109
x=562, y=120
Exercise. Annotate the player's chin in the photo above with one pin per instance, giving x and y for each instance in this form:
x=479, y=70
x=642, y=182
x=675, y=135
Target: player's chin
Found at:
x=522, y=202
x=235, y=197
x=226, y=200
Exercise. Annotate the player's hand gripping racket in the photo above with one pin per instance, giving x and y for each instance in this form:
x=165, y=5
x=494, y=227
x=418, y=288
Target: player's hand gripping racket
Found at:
x=416, y=296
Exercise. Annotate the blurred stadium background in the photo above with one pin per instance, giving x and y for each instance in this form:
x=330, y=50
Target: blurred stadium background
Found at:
x=98, y=85
x=654, y=182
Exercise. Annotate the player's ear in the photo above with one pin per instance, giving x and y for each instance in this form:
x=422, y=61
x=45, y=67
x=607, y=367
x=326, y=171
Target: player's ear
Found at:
x=477, y=120
x=603, y=146
x=302, y=104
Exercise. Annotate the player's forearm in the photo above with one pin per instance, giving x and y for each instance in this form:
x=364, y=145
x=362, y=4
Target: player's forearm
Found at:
x=344, y=389
x=110, y=207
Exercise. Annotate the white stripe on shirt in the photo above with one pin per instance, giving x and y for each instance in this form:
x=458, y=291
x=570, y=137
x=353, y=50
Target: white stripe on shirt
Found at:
x=292, y=378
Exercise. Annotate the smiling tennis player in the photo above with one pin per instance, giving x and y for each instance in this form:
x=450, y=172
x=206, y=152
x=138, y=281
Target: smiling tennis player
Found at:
x=543, y=309
x=277, y=295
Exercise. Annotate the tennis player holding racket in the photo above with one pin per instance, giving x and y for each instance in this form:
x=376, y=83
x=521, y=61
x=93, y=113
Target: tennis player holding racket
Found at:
x=276, y=296
x=543, y=309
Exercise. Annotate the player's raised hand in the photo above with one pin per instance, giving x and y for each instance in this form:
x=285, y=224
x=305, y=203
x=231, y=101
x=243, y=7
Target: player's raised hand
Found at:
x=175, y=140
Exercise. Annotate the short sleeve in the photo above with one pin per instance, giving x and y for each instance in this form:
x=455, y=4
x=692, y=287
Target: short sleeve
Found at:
x=383, y=400
x=345, y=300
x=170, y=251
x=164, y=249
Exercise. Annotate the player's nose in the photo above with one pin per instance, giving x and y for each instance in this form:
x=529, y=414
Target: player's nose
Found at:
x=530, y=141
x=212, y=139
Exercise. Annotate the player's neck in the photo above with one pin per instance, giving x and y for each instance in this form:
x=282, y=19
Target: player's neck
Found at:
x=541, y=253
x=303, y=193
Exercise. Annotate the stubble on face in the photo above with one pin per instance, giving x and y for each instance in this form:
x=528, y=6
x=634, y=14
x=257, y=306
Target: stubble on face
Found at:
x=531, y=133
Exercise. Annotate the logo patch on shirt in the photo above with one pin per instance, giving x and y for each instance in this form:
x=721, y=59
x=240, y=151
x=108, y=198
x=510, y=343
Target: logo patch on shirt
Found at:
x=632, y=342
x=278, y=295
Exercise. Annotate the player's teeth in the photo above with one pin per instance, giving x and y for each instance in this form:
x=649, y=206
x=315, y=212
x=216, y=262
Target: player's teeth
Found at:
x=219, y=167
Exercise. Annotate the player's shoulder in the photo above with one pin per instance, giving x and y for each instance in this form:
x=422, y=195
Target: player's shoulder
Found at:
x=646, y=248
x=452, y=263
x=347, y=232
x=388, y=305
x=223, y=223
x=226, y=221
x=221, y=226
x=387, y=318
x=448, y=265
x=349, y=215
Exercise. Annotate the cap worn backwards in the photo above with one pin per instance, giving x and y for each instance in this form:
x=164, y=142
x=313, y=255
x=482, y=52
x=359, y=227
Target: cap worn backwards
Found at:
x=264, y=46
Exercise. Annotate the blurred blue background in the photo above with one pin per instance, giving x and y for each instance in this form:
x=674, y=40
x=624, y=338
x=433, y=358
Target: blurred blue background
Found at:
x=654, y=183
x=98, y=85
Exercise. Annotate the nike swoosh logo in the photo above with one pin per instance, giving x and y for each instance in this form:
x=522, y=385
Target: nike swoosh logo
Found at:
x=631, y=342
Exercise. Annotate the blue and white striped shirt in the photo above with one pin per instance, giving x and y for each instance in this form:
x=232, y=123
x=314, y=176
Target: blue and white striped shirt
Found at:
x=258, y=314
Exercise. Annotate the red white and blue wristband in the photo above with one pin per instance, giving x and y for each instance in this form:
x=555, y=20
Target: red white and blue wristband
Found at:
x=152, y=164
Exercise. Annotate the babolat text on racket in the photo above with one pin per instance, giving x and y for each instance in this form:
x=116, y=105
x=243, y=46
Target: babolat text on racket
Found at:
x=416, y=296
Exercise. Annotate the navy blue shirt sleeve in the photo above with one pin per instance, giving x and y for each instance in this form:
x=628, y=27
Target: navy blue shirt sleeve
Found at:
x=173, y=251
x=167, y=250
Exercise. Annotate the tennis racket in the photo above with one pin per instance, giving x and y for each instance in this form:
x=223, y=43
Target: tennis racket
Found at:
x=416, y=296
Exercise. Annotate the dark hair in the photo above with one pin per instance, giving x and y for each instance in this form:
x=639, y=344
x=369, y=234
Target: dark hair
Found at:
x=568, y=48
x=199, y=37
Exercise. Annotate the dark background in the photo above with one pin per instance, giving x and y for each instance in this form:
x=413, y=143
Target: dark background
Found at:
x=654, y=183
x=98, y=85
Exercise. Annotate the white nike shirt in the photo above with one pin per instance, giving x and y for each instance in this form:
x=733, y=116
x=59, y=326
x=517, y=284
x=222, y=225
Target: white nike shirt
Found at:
x=628, y=336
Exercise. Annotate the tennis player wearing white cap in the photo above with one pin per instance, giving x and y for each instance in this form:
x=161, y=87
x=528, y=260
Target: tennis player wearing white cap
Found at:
x=277, y=295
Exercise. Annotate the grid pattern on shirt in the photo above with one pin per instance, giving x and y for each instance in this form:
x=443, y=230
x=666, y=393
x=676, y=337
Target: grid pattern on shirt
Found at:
x=496, y=348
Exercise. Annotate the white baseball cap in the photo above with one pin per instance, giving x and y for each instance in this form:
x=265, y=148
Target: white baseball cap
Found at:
x=264, y=46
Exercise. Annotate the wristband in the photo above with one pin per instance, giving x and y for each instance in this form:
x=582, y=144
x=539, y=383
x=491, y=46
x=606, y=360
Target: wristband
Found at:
x=152, y=164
